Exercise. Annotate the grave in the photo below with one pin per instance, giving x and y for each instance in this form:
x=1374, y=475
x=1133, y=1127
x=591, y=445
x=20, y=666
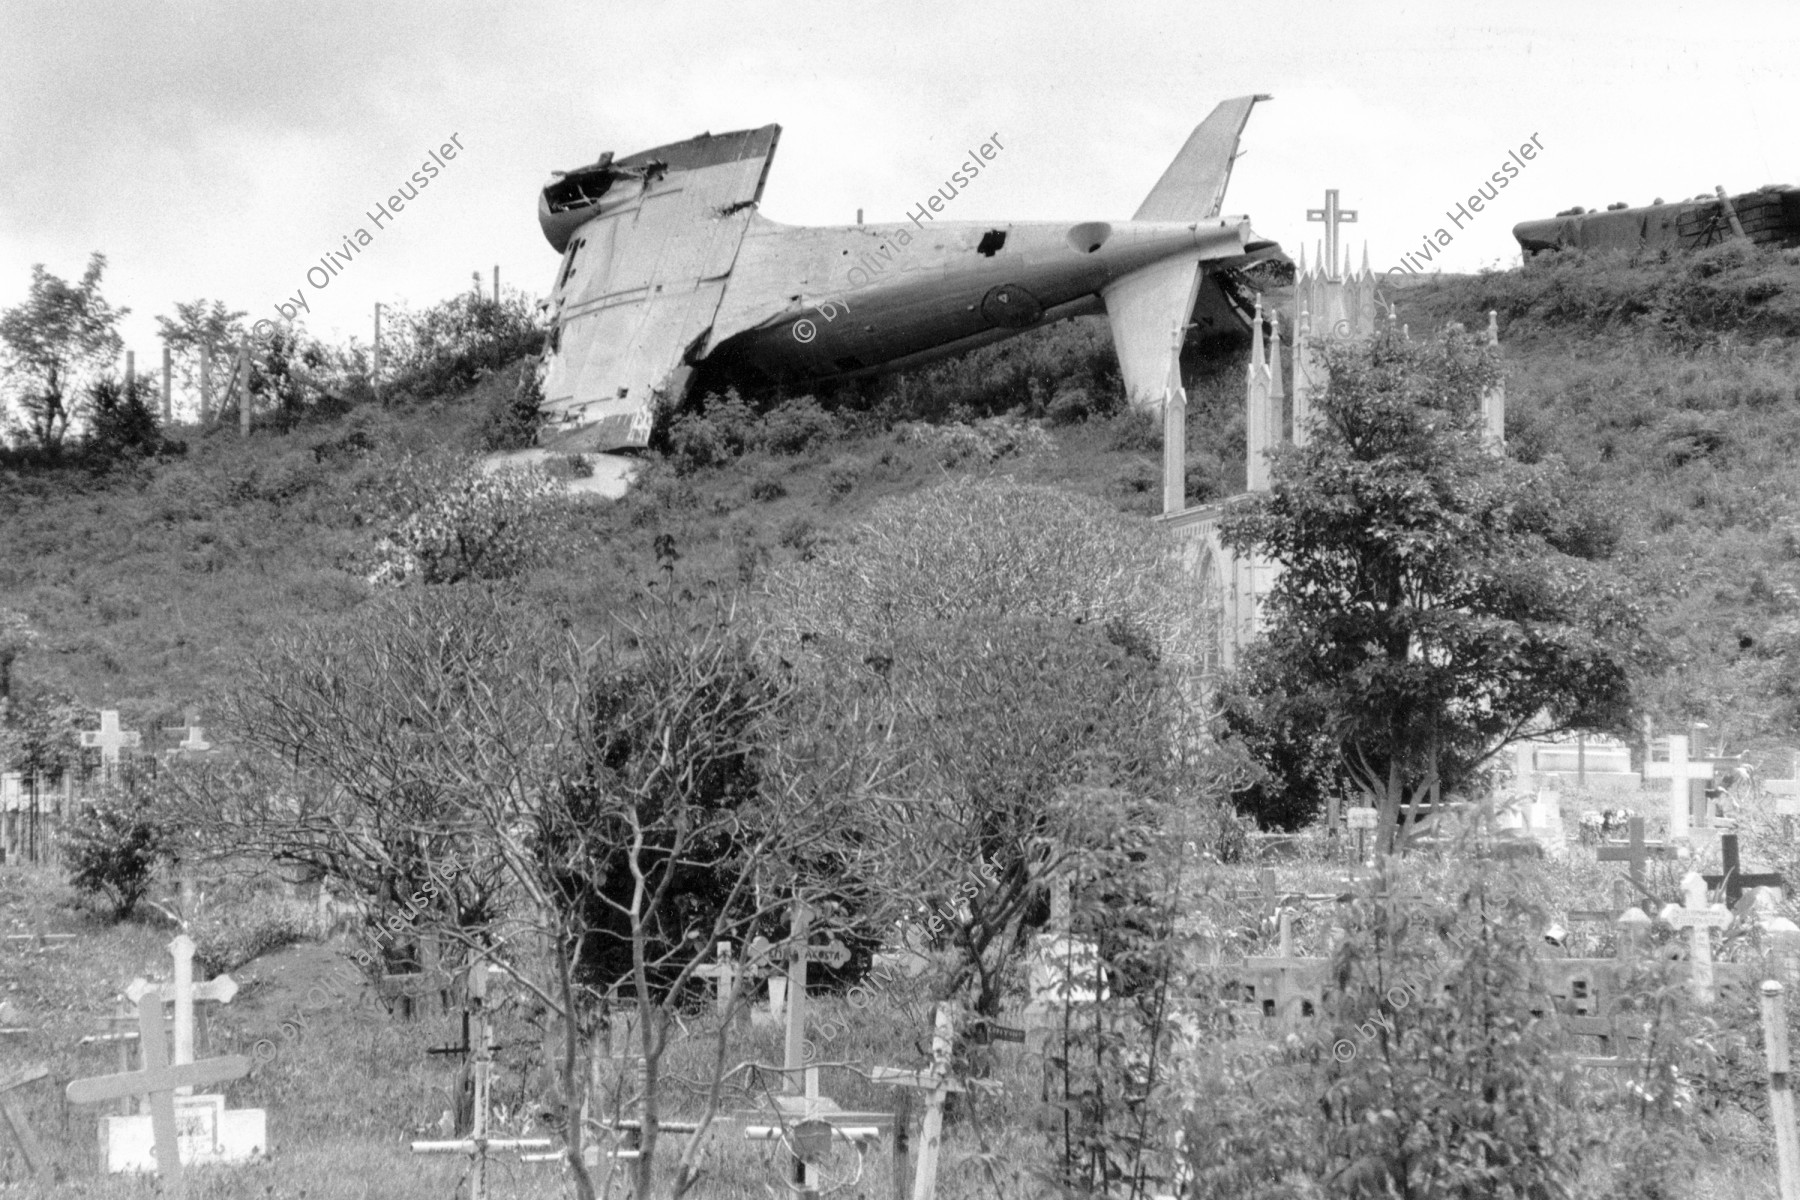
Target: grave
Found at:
x=1284, y=987
x=157, y=1082
x=1699, y=919
x=937, y=1083
x=1733, y=878
x=478, y=1144
x=1637, y=852
x=807, y=1121
x=109, y=739
x=1686, y=780
x=210, y=1132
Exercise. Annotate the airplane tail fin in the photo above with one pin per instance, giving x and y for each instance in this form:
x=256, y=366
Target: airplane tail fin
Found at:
x=1148, y=310
x=1193, y=188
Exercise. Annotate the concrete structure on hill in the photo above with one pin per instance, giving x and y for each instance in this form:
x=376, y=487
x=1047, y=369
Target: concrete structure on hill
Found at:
x=1769, y=215
x=1279, y=403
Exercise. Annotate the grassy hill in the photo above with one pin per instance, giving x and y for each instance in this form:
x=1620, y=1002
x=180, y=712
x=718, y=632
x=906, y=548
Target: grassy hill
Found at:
x=1672, y=389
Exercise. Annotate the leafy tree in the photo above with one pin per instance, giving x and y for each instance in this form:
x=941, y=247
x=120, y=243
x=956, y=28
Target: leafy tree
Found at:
x=116, y=843
x=1029, y=646
x=57, y=334
x=1426, y=612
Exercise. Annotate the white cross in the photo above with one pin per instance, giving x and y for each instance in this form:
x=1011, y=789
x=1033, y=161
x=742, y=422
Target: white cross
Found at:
x=159, y=1081
x=723, y=973
x=110, y=738
x=1678, y=770
x=1699, y=919
x=1332, y=216
x=937, y=1083
x=183, y=993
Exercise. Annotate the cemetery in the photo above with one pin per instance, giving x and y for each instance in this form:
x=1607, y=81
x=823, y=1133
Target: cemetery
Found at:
x=1261, y=733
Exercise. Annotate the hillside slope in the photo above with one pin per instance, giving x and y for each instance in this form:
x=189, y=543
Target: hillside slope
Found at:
x=1670, y=389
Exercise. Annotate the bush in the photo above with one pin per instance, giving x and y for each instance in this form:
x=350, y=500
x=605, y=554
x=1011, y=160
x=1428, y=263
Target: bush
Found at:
x=796, y=427
x=115, y=845
x=452, y=345
x=514, y=417
x=474, y=525
x=987, y=440
x=766, y=484
x=122, y=421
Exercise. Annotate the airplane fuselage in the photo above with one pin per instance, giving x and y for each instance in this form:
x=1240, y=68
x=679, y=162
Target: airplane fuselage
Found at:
x=862, y=299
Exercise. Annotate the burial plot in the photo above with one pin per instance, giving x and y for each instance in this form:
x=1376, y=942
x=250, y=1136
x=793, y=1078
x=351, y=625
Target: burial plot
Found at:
x=1282, y=986
x=478, y=1144
x=171, y=1141
x=109, y=739
x=1637, y=852
x=211, y=1132
x=937, y=1083
x=1699, y=919
x=1733, y=878
x=1682, y=775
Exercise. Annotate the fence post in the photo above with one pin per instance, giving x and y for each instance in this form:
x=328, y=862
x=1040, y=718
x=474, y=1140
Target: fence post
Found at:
x=1781, y=1097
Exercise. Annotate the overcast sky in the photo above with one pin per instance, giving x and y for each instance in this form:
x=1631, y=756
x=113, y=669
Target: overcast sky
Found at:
x=219, y=150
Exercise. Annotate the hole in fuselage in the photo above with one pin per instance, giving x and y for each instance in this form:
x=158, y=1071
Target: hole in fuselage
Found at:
x=991, y=242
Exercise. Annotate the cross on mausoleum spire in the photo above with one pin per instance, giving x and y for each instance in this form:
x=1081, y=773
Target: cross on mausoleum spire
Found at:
x=1332, y=216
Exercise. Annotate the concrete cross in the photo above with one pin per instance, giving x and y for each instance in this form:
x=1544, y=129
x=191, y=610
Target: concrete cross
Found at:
x=1699, y=919
x=158, y=1081
x=1332, y=216
x=193, y=738
x=1735, y=882
x=36, y=1161
x=182, y=993
x=1678, y=771
x=110, y=739
x=1636, y=852
x=1287, y=986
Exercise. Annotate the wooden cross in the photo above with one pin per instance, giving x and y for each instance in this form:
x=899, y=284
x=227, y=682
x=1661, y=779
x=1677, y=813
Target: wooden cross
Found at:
x=183, y=993
x=1678, y=771
x=810, y=1123
x=1637, y=852
x=1699, y=919
x=35, y=1160
x=158, y=1081
x=937, y=1084
x=110, y=739
x=1736, y=883
x=1332, y=216
x=478, y=1143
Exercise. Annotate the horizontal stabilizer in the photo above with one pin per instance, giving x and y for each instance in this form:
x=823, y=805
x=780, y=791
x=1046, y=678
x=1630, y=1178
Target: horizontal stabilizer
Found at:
x=1148, y=310
x=1193, y=188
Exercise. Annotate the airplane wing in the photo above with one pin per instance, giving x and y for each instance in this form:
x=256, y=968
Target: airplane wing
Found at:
x=647, y=243
x=1193, y=188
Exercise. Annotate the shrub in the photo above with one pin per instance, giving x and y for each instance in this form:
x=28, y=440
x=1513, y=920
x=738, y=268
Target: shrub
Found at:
x=122, y=421
x=476, y=524
x=766, y=484
x=841, y=477
x=454, y=344
x=1135, y=430
x=796, y=427
x=514, y=417
x=987, y=440
x=115, y=845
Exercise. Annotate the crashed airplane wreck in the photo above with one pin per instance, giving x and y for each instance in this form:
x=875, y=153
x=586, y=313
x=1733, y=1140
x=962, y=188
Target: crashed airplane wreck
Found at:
x=668, y=267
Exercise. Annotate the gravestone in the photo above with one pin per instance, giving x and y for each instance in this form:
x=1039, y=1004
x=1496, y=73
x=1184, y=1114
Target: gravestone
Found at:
x=1682, y=775
x=1699, y=918
x=1285, y=987
x=1637, y=852
x=1733, y=878
x=109, y=739
x=937, y=1083
x=157, y=1082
